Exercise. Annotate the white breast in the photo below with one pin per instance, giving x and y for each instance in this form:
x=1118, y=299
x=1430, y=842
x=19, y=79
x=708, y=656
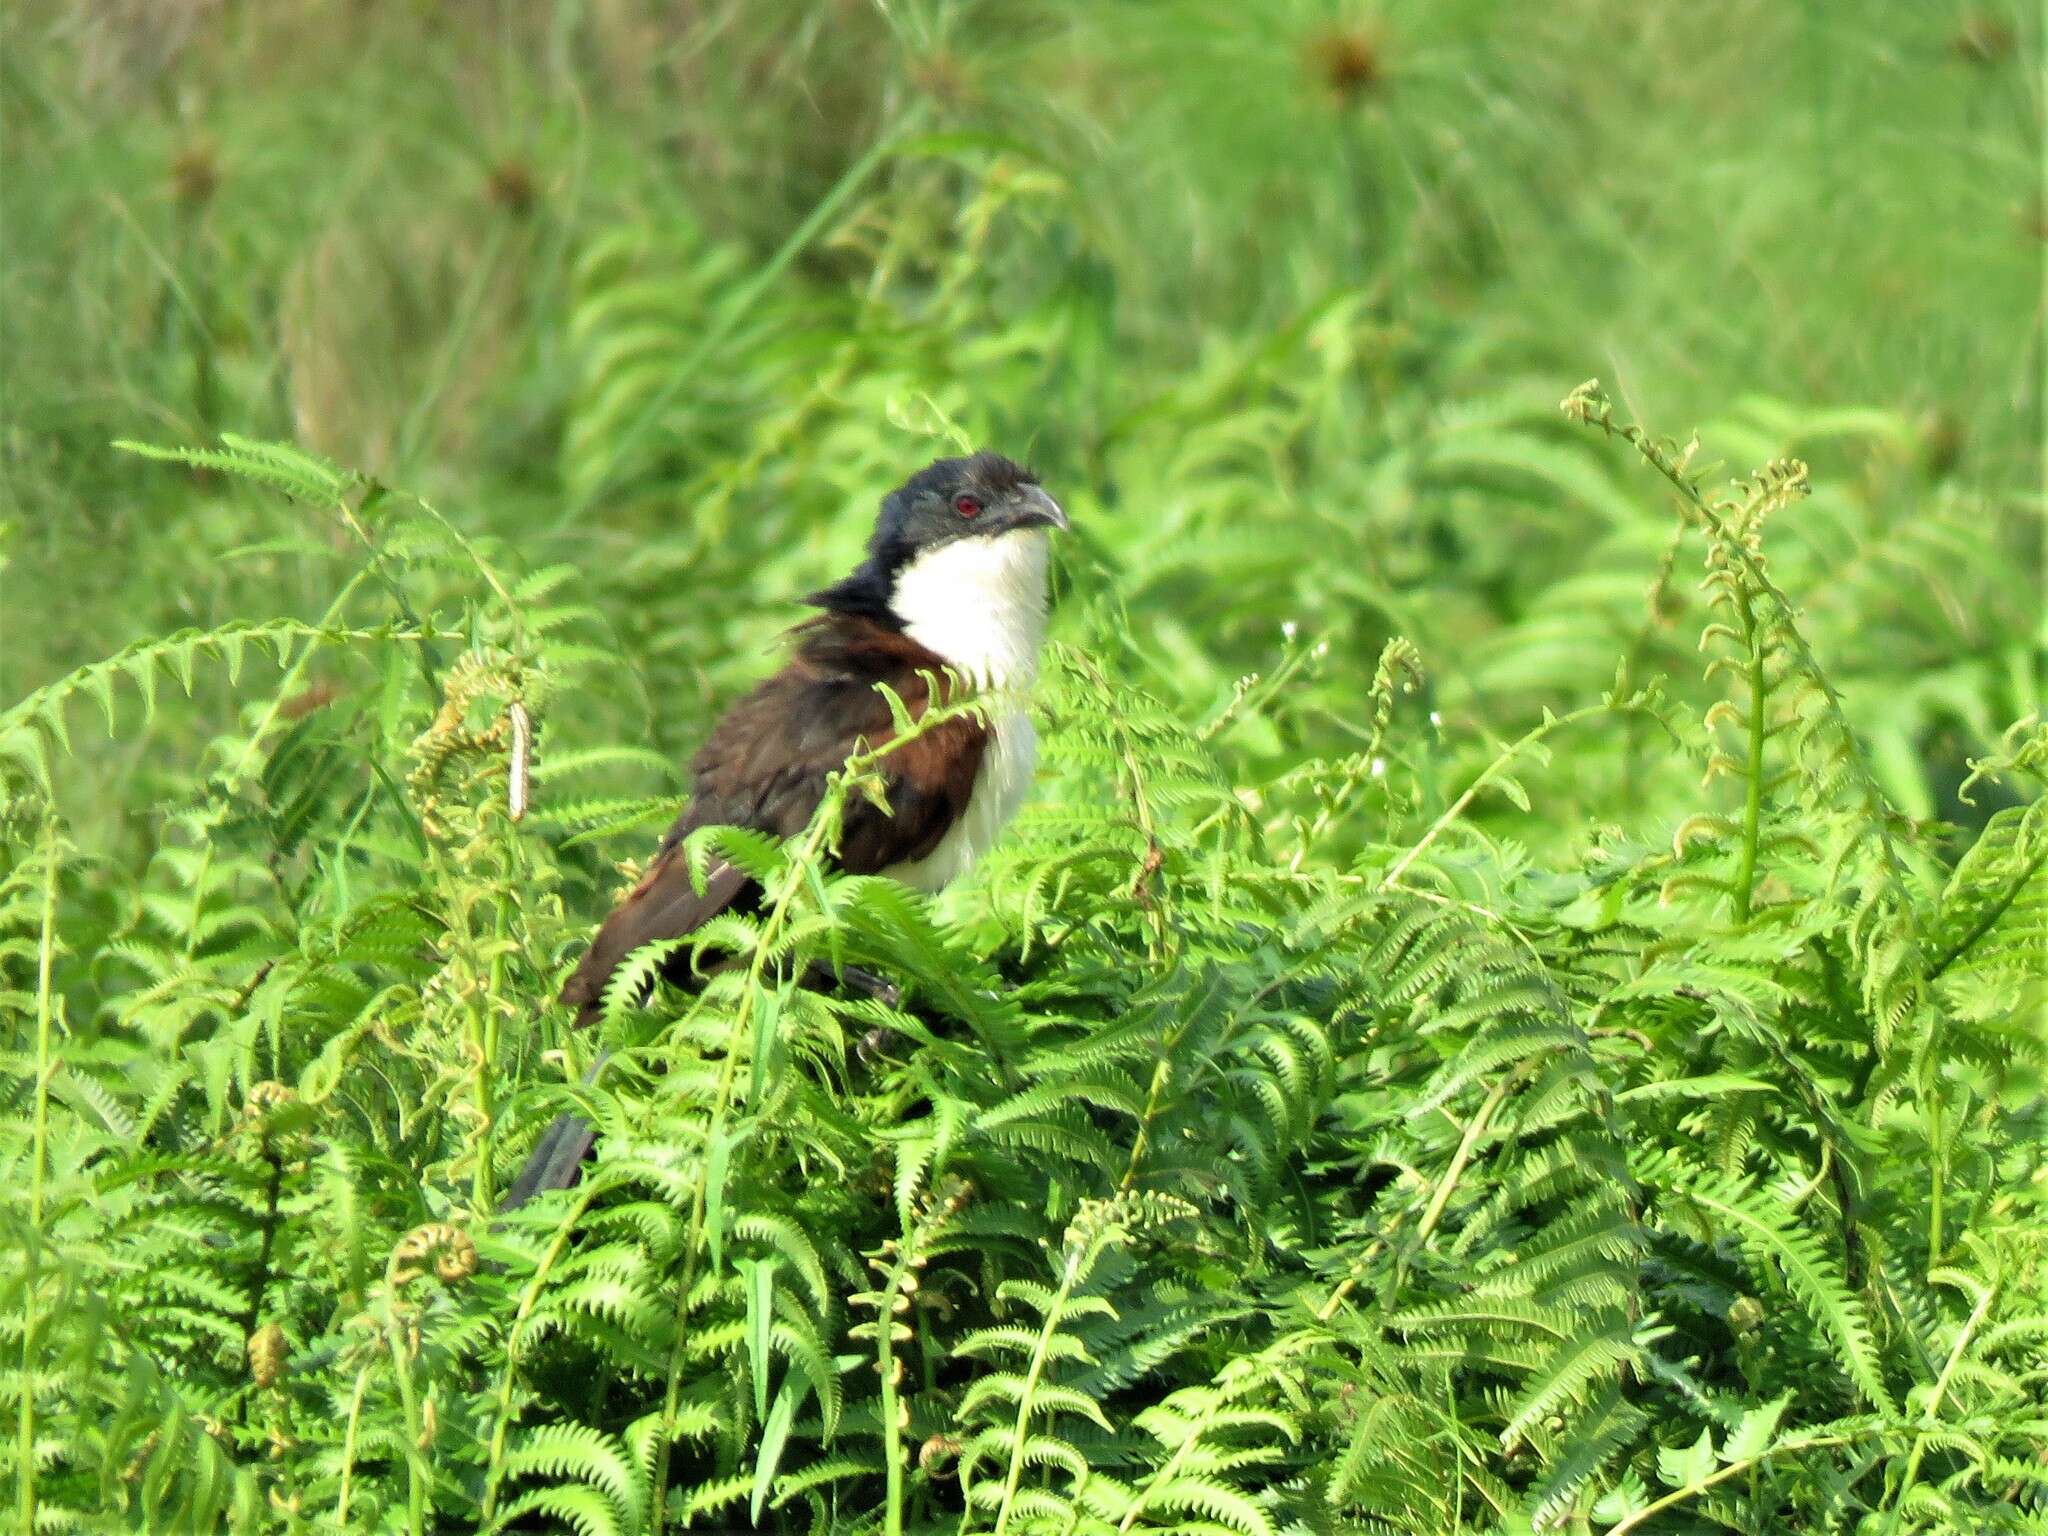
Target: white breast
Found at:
x=999, y=788
x=979, y=603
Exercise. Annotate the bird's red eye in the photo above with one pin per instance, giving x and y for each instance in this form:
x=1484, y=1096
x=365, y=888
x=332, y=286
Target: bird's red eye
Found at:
x=967, y=506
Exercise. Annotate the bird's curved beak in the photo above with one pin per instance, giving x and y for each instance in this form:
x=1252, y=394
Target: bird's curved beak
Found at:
x=1032, y=508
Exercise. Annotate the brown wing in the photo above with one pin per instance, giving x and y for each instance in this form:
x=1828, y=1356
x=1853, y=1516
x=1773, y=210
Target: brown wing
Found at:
x=766, y=764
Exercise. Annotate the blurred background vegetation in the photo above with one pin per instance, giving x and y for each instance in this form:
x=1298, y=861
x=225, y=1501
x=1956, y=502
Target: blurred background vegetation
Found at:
x=1280, y=296
x=1738, y=1124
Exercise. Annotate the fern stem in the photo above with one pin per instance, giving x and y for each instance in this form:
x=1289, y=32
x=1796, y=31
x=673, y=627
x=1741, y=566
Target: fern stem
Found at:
x=1937, y=1161
x=416, y=1500
x=1162, y=1074
x=1131, y=773
x=1230, y=1382
x=494, y=1463
x=1467, y=1145
x=513, y=608
x=1635, y=664
x=39, y=1157
x=272, y=1187
x=794, y=878
x=1349, y=1283
x=1498, y=766
x=1989, y=920
x=1040, y=1352
x=198, y=909
x=700, y=1193
x=1168, y=1470
x=290, y=681
x=429, y=658
x=1733, y=1469
x=1589, y=406
x=348, y=1449
x=889, y=1366
x=482, y=1193
x=1753, y=789
x=892, y=1447
x=741, y=1035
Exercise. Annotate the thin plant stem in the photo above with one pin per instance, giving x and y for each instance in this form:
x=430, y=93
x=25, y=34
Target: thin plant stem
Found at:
x=417, y=1494
x=1040, y=1351
x=39, y=1159
x=1753, y=790
x=348, y=1448
x=886, y=1364
x=529, y=1298
x=1733, y=1469
x=1496, y=768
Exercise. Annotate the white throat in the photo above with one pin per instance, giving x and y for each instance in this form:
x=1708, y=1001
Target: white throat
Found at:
x=979, y=603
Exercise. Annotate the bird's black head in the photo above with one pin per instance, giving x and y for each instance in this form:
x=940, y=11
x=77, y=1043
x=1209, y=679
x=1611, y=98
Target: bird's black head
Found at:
x=981, y=496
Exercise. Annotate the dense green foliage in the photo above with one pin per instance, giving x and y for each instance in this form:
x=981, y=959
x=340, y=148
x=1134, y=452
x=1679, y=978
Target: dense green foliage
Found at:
x=1516, y=1005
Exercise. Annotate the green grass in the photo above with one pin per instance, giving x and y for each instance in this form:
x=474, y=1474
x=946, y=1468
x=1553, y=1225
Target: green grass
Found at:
x=1517, y=1003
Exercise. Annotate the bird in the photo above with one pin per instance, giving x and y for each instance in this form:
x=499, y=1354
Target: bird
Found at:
x=954, y=580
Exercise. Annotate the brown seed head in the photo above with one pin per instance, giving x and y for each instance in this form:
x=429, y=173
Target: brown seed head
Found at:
x=1347, y=62
x=940, y=76
x=513, y=187
x=1942, y=442
x=1983, y=40
x=195, y=174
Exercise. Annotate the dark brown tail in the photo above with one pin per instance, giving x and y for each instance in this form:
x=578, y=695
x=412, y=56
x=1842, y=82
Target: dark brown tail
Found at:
x=558, y=1156
x=664, y=905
